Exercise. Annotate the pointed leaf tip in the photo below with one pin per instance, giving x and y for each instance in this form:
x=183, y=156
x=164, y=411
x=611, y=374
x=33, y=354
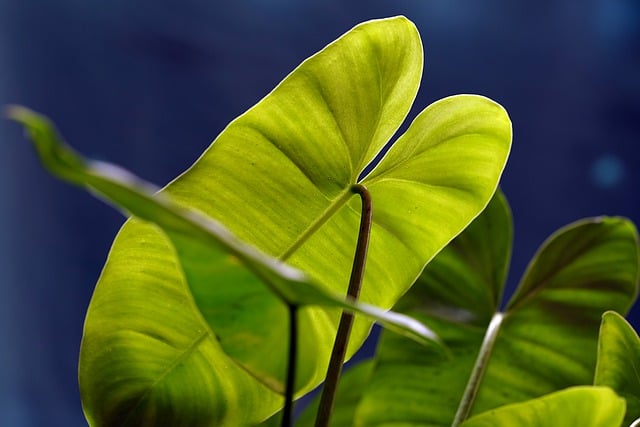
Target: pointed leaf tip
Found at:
x=26, y=117
x=14, y=112
x=618, y=360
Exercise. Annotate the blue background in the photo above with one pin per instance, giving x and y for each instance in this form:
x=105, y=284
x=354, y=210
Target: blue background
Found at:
x=148, y=84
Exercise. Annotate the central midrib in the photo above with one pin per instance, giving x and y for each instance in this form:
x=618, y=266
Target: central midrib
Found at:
x=182, y=356
x=333, y=207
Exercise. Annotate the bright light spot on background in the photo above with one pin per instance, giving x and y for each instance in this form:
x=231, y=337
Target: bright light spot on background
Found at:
x=607, y=171
x=617, y=20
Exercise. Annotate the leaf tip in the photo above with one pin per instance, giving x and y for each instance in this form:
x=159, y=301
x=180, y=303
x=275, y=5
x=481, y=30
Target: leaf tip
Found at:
x=24, y=116
x=14, y=112
x=427, y=337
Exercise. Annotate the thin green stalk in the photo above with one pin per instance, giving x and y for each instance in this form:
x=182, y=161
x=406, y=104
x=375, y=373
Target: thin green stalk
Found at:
x=469, y=396
x=338, y=353
x=287, y=412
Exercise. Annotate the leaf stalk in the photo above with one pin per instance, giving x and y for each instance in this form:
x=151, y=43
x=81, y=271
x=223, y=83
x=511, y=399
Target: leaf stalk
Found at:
x=339, y=350
x=287, y=412
x=470, y=392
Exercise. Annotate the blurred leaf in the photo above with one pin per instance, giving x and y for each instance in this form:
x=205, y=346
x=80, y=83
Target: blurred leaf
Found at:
x=576, y=406
x=280, y=178
x=545, y=340
x=618, y=364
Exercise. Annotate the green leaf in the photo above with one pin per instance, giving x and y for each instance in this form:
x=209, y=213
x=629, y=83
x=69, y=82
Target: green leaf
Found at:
x=576, y=406
x=280, y=178
x=468, y=276
x=545, y=340
x=149, y=300
x=319, y=132
x=618, y=364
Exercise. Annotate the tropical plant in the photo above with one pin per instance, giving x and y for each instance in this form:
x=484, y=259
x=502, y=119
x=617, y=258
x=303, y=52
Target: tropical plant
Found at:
x=618, y=363
x=249, y=279
x=545, y=339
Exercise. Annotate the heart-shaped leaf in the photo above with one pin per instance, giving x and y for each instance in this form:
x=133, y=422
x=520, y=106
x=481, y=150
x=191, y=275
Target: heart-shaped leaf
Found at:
x=545, y=340
x=618, y=364
x=280, y=178
x=576, y=406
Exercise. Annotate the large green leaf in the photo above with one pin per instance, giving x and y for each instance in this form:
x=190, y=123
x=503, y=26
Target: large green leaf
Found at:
x=576, y=406
x=545, y=339
x=233, y=258
x=618, y=364
x=280, y=178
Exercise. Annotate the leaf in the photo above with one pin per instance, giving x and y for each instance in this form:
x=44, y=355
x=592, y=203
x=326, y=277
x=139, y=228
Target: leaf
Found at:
x=280, y=178
x=576, y=406
x=545, y=340
x=133, y=195
x=319, y=129
x=618, y=364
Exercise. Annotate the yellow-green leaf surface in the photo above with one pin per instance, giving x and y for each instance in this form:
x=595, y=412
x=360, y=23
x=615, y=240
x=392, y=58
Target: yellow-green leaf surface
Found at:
x=544, y=340
x=165, y=298
x=280, y=178
x=576, y=406
x=618, y=364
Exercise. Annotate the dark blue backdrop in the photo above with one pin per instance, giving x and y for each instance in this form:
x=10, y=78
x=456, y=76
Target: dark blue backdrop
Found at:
x=149, y=84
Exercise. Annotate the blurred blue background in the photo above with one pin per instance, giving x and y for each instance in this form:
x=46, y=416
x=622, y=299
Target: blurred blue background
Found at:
x=148, y=84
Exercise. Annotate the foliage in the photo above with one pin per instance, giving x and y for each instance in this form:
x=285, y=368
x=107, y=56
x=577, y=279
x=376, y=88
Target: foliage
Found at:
x=131, y=194
x=544, y=340
x=583, y=406
x=194, y=317
x=619, y=362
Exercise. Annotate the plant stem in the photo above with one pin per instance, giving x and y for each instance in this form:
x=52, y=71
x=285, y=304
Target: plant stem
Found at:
x=338, y=353
x=287, y=412
x=469, y=396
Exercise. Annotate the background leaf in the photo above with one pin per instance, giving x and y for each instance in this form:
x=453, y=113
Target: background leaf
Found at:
x=546, y=340
x=577, y=406
x=618, y=364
